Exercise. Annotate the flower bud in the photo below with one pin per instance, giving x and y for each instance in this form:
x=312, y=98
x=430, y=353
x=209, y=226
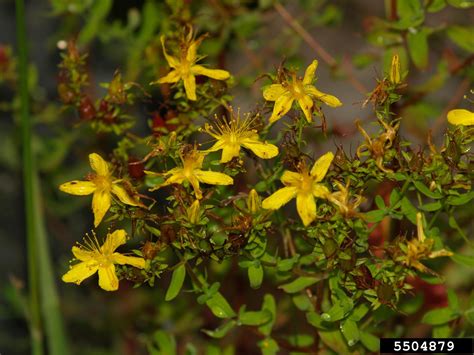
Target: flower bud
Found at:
x=253, y=201
x=395, y=70
x=193, y=212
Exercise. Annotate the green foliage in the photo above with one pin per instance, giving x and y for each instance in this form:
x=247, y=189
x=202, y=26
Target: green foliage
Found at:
x=228, y=268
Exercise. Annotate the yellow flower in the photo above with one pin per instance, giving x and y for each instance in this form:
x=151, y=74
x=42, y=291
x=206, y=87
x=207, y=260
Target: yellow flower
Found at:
x=96, y=258
x=421, y=247
x=192, y=173
x=185, y=68
x=461, y=117
x=303, y=91
x=102, y=185
x=238, y=133
x=305, y=186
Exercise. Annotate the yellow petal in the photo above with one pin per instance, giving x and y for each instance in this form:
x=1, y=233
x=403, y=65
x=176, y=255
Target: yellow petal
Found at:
x=273, y=92
x=290, y=178
x=82, y=255
x=320, y=168
x=100, y=205
x=77, y=187
x=306, y=103
x=81, y=271
x=171, y=77
x=282, y=106
x=191, y=54
x=217, y=74
x=195, y=184
x=213, y=178
x=108, y=280
x=190, y=86
x=229, y=151
x=98, y=164
x=262, y=150
x=309, y=73
x=129, y=260
x=329, y=100
x=217, y=146
x=123, y=195
x=172, y=61
x=113, y=241
x=461, y=117
x=279, y=198
x=306, y=207
x=440, y=253
x=176, y=177
x=321, y=191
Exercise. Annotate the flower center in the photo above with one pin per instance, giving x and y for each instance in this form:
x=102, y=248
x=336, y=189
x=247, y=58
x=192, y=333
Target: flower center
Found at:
x=306, y=183
x=102, y=182
x=297, y=88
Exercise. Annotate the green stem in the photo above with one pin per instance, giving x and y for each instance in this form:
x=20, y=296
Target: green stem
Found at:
x=28, y=170
x=42, y=289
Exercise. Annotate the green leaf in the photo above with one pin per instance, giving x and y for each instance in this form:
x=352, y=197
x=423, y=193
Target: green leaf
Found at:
x=255, y=317
x=302, y=302
x=375, y=216
x=410, y=13
x=436, y=5
x=97, y=15
x=299, y=284
x=335, y=313
x=430, y=207
x=441, y=331
x=334, y=340
x=462, y=36
x=465, y=260
x=350, y=331
x=359, y=312
x=219, y=306
x=287, y=264
x=461, y=199
x=255, y=274
x=409, y=210
x=439, y=316
x=268, y=346
x=370, y=341
x=453, y=301
x=317, y=321
x=461, y=4
x=268, y=305
x=177, y=280
x=165, y=342
x=380, y=202
x=418, y=47
x=469, y=314
x=426, y=191
x=221, y=331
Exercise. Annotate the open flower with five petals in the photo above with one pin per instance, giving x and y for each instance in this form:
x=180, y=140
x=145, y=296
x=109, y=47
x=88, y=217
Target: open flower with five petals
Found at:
x=102, y=259
x=192, y=173
x=235, y=133
x=184, y=67
x=102, y=185
x=305, y=186
x=300, y=90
